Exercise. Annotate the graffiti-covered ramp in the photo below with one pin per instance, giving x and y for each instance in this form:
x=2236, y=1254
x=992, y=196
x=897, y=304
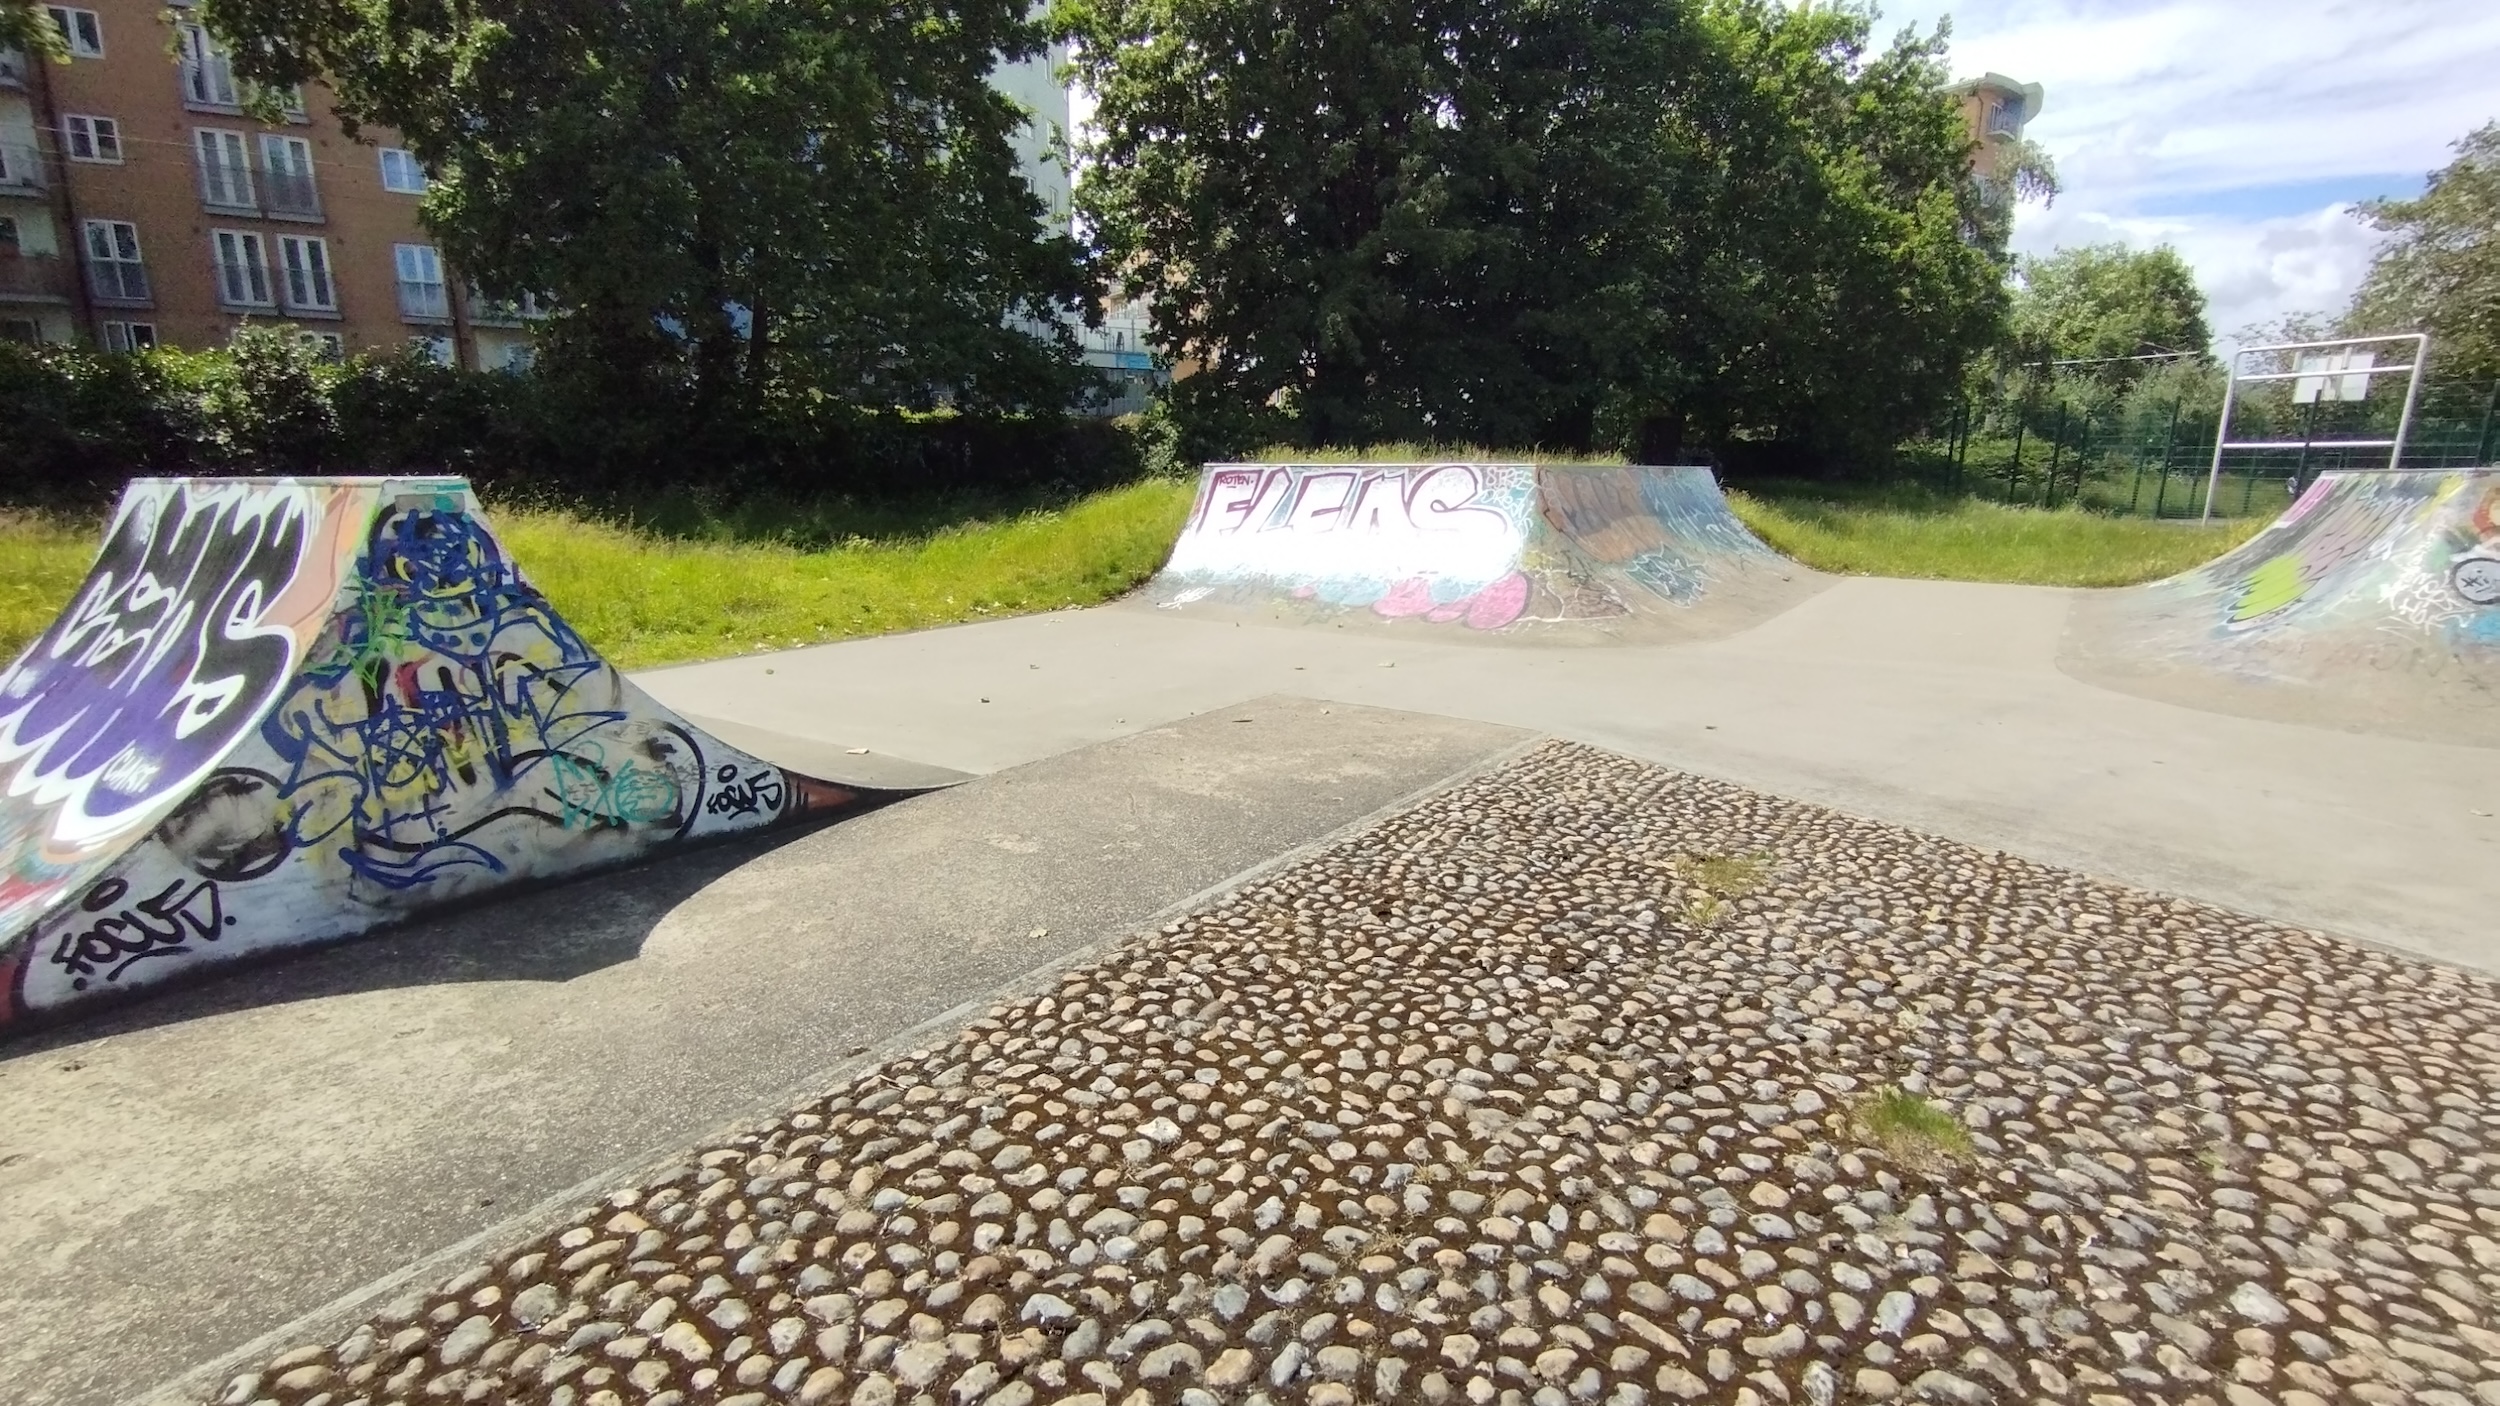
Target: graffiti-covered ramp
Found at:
x=1509, y=551
x=2372, y=604
x=285, y=711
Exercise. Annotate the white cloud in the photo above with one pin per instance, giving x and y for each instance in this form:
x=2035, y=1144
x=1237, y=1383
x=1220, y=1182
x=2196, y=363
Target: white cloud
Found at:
x=2238, y=131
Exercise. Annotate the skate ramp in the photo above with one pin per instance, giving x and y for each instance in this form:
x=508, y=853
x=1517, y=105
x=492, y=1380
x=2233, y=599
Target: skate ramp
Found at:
x=2372, y=604
x=1507, y=551
x=285, y=711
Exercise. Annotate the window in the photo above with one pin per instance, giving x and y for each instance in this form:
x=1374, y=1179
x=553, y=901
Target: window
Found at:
x=18, y=167
x=92, y=139
x=422, y=296
x=2005, y=120
x=129, y=336
x=305, y=264
x=83, y=30
x=242, y=269
x=21, y=329
x=288, y=164
x=8, y=234
x=434, y=349
x=401, y=173
x=329, y=346
x=207, y=74
x=114, y=269
x=225, y=169
x=518, y=357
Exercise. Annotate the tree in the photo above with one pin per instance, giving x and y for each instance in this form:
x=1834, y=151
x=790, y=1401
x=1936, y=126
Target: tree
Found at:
x=732, y=201
x=2099, y=302
x=1556, y=223
x=2440, y=273
x=25, y=27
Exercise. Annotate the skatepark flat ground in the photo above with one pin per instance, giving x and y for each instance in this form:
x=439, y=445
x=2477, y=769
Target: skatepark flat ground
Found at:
x=1937, y=705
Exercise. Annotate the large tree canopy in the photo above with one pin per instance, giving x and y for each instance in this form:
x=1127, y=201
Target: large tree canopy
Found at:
x=2440, y=273
x=2102, y=302
x=743, y=196
x=1558, y=222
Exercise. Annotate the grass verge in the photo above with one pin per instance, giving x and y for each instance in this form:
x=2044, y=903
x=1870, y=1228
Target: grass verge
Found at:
x=682, y=584
x=1910, y=532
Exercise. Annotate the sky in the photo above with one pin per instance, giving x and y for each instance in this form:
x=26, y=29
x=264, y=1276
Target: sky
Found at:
x=2237, y=131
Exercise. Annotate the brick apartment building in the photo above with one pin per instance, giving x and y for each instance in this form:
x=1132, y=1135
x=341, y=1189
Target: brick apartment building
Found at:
x=1995, y=108
x=140, y=206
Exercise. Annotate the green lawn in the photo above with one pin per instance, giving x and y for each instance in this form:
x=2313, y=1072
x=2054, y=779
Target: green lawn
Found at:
x=1909, y=532
x=674, y=581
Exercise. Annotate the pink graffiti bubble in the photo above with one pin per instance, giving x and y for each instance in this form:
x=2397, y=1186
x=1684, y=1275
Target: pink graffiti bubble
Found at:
x=1409, y=597
x=1498, y=604
x=1305, y=592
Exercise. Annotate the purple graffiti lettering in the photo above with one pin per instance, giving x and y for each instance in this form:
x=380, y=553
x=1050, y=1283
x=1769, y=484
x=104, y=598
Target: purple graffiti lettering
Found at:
x=166, y=658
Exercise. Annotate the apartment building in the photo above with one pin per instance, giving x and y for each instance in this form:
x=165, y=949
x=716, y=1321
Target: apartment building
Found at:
x=140, y=205
x=1996, y=109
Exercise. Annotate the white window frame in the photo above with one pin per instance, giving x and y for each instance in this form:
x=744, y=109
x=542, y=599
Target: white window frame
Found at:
x=306, y=278
x=258, y=290
x=89, y=138
x=129, y=336
x=437, y=348
x=112, y=255
x=408, y=261
x=329, y=346
x=2006, y=119
x=212, y=67
x=283, y=158
x=408, y=163
x=82, y=29
x=237, y=175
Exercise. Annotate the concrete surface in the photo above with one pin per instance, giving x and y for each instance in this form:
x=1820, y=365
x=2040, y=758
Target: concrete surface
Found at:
x=1933, y=704
x=191, y=1173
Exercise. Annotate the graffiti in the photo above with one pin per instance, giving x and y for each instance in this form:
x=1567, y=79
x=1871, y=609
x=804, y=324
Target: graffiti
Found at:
x=165, y=658
x=1663, y=528
x=2315, y=554
x=447, y=700
x=633, y=794
x=759, y=792
x=1438, y=542
x=162, y=926
x=2474, y=571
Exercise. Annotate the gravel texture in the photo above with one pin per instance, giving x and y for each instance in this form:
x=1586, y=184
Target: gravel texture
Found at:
x=1556, y=1089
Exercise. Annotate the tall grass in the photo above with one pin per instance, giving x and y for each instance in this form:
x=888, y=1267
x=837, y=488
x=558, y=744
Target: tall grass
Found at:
x=674, y=580
x=1911, y=532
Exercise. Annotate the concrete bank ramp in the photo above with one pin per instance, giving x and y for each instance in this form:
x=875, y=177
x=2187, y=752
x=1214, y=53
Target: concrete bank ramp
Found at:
x=284, y=711
x=2372, y=604
x=1540, y=552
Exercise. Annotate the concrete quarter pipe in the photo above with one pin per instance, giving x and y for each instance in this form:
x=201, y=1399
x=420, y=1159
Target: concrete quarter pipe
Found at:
x=284, y=711
x=1545, y=551
x=2373, y=603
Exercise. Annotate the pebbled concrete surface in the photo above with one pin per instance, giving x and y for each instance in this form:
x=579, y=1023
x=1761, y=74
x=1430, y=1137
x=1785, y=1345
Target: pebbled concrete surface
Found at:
x=1932, y=704
x=195, y=1171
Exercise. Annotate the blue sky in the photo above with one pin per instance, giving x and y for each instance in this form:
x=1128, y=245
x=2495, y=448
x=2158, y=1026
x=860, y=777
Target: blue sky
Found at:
x=2237, y=131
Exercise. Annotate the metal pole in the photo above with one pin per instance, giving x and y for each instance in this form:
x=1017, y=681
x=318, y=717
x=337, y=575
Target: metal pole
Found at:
x=2057, y=447
x=2222, y=432
x=2015, y=468
x=2308, y=434
x=2413, y=389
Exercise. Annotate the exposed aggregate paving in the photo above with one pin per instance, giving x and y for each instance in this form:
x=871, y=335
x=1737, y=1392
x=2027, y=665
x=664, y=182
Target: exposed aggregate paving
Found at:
x=1484, y=1106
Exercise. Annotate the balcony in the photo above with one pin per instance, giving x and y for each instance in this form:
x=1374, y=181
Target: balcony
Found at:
x=12, y=69
x=290, y=195
x=424, y=302
x=505, y=312
x=34, y=278
x=21, y=170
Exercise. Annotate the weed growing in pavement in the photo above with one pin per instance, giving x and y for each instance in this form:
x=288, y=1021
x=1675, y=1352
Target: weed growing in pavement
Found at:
x=1724, y=875
x=1910, y=1130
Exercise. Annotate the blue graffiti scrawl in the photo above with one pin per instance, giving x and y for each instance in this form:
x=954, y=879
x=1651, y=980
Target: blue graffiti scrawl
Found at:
x=450, y=704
